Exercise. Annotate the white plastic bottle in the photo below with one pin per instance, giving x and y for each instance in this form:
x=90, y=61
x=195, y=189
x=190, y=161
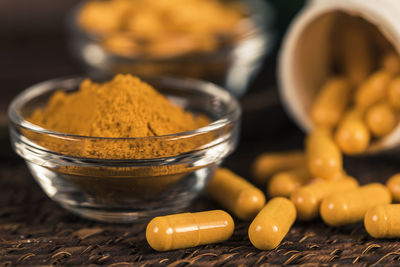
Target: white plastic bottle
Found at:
x=305, y=62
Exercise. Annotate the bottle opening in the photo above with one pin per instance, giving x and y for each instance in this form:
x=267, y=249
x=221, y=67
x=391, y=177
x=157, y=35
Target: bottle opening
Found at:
x=318, y=47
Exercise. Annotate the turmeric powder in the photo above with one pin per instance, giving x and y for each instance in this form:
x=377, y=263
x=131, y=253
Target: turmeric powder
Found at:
x=125, y=108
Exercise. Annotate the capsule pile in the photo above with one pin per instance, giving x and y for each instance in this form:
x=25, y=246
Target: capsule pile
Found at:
x=294, y=195
x=354, y=108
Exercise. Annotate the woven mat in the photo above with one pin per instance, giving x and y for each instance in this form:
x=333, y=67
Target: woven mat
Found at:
x=36, y=231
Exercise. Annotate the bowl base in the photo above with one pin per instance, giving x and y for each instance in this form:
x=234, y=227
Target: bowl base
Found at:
x=72, y=196
x=127, y=216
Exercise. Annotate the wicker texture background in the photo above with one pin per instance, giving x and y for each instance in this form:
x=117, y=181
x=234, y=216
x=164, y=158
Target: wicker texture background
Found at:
x=36, y=231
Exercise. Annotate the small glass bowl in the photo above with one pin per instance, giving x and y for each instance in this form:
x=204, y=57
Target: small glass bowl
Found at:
x=125, y=187
x=232, y=66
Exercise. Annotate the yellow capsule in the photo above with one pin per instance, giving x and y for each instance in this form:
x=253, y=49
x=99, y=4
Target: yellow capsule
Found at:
x=393, y=96
x=350, y=206
x=381, y=119
x=268, y=164
x=356, y=57
x=121, y=44
x=352, y=135
x=189, y=230
x=391, y=63
x=324, y=158
x=393, y=184
x=383, y=221
x=373, y=89
x=283, y=184
x=235, y=194
x=330, y=102
x=100, y=17
x=272, y=223
x=307, y=199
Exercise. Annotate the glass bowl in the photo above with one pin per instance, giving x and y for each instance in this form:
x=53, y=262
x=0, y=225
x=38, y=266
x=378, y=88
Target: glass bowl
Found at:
x=231, y=66
x=127, y=187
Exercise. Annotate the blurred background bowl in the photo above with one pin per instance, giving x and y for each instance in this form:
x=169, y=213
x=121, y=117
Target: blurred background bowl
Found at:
x=232, y=66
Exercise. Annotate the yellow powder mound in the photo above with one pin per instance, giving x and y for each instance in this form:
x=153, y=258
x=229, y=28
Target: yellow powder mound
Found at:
x=123, y=107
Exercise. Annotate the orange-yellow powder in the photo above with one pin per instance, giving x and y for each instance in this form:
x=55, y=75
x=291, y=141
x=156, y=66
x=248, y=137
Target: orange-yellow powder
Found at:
x=123, y=107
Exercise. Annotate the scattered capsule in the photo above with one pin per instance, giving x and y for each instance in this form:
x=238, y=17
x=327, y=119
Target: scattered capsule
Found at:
x=356, y=55
x=373, y=89
x=307, y=199
x=189, y=230
x=283, y=184
x=391, y=63
x=268, y=164
x=381, y=119
x=350, y=206
x=120, y=44
x=330, y=102
x=323, y=155
x=272, y=223
x=352, y=135
x=393, y=96
x=235, y=194
x=393, y=184
x=383, y=221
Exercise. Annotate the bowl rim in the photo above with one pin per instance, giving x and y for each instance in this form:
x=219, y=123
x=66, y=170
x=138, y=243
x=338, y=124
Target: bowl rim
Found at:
x=205, y=87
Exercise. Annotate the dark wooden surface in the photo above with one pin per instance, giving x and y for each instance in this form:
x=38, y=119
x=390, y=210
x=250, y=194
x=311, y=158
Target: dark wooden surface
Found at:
x=36, y=231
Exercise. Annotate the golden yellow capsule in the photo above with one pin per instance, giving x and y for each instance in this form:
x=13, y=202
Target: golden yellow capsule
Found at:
x=393, y=184
x=283, y=184
x=381, y=119
x=189, y=230
x=350, y=206
x=268, y=164
x=272, y=223
x=383, y=221
x=352, y=135
x=307, y=199
x=330, y=102
x=324, y=158
x=235, y=194
x=121, y=44
x=391, y=63
x=100, y=17
x=373, y=89
x=356, y=57
x=394, y=93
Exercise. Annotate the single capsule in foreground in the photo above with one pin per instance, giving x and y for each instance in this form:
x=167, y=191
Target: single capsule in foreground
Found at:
x=323, y=155
x=235, y=194
x=383, y=221
x=350, y=206
x=380, y=119
x=189, y=230
x=272, y=223
x=283, y=184
x=352, y=135
x=307, y=199
x=268, y=164
x=393, y=184
x=330, y=102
